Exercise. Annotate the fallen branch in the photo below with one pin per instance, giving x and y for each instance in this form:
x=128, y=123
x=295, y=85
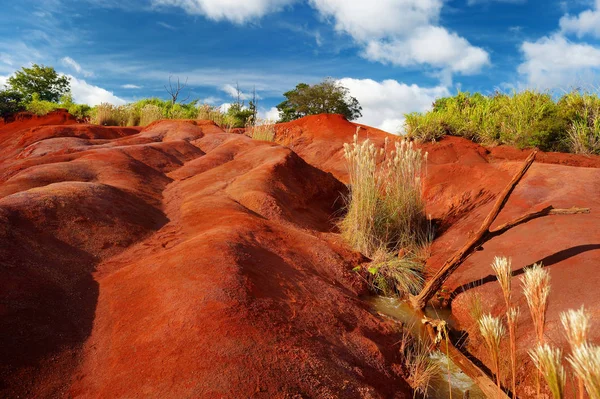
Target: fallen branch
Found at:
x=433, y=285
x=550, y=210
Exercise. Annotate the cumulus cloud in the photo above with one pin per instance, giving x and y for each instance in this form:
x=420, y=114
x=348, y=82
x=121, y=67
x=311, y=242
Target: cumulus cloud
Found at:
x=3, y=80
x=385, y=103
x=555, y=62
x=271, y=114
x=430, y=45
x=86, y=93
x=236, y=11
x=403, y=32
x=73, y=65
x=586, y=23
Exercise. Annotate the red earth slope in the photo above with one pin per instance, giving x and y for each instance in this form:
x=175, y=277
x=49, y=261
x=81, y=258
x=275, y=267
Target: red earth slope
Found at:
x=463, y=181
x=178, y=261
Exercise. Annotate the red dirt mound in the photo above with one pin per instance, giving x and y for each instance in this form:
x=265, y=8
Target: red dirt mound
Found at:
x=178, y=261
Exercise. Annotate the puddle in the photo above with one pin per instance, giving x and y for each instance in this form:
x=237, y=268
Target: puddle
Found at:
x=440, y=387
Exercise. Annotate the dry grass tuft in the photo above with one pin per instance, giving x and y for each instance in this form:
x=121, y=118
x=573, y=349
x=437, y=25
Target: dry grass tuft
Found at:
x=577, y=325
x=536, y=286
x=262, y=131
x=492, y=331
x=386, y=210
x=419, y=364
x=150, y=113
x=585, y=360
x=503, y=268
x=549, y=362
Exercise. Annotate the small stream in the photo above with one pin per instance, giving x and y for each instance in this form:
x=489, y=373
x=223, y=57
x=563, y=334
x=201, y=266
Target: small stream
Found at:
x=439, y=388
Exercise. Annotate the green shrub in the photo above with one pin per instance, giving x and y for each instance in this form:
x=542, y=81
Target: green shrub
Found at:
x=40, y=107
x=522, y=119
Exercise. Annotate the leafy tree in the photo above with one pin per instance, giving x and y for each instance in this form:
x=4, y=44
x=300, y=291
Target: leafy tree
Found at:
x=11, y=102
x=327, y=97
x=40, y=79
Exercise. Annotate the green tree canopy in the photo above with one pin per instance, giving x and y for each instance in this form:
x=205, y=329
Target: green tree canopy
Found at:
x=327, y=97
x=40, y=79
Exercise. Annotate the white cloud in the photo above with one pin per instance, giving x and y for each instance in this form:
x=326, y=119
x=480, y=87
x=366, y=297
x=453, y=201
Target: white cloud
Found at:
x=586, y=23
x=72, y=64
x=385, y=103
x=369, y=20
x=233, y=92
x=555, y=62
x=404, y=32
x=86, y=93
x=236, y=11
x=131, y=86
x=210, y=100
x=3, y=80
x=431, y=45
x=269, y=115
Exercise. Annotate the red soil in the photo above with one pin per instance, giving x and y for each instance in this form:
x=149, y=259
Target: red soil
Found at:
x=463, y=181
x=178, y=261
x=182, y=261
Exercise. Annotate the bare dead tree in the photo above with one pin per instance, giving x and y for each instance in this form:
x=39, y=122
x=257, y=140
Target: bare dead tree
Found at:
x=174, y=90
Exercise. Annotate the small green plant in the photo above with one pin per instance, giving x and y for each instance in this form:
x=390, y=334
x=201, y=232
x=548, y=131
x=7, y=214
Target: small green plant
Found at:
x=549, y=363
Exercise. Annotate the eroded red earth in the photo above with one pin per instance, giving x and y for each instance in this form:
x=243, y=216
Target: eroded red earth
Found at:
x=178, y=260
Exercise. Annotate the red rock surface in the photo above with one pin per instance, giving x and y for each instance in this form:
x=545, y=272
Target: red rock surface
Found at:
x=178, y=261
x=181, y=261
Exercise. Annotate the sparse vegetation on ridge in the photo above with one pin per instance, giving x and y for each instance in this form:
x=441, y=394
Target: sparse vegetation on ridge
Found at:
x=522, y=119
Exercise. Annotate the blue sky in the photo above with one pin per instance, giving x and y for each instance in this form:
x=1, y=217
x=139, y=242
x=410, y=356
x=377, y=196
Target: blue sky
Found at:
x=395, y=56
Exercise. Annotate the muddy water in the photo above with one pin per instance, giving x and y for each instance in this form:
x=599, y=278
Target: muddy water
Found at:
x=451, y=381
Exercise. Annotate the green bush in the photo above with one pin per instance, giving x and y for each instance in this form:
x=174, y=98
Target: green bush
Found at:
x=40, y=107
x=11, y=102
x=522, y=119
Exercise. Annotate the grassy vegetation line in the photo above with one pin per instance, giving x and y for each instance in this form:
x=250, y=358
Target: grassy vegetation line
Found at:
x=386, y=212
x=524, y=119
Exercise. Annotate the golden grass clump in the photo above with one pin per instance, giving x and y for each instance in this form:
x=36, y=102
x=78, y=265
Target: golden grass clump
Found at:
x=585, y=360
x=503, y=268
x=536, y=287
x=212, y=113
x=492, y=331
x=109, y=115
x=549, y=362
x=150, y=113
x=385, y=207
x=577, y=325
x=262, y=131
x=418, y=362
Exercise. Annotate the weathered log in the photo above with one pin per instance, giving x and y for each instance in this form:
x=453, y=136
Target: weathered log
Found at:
x=550, y=210
x=433, y=285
